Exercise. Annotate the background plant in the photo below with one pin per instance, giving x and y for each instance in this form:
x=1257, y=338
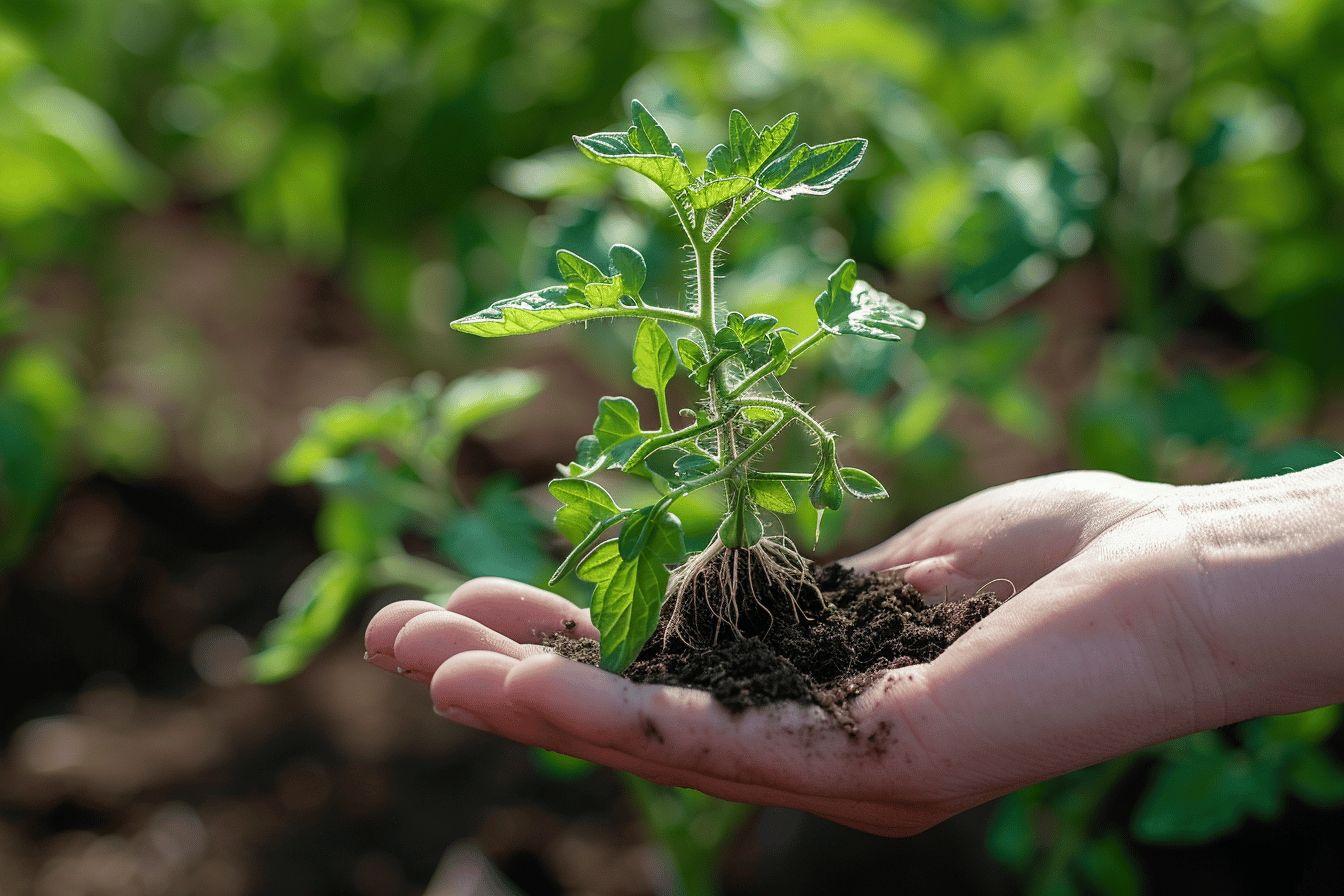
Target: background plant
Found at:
x=386, y=468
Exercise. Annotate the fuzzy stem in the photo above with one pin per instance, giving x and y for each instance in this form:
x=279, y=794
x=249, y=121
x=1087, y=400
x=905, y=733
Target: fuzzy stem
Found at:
x=789, y=409
x=765, y=370
x=672, y=438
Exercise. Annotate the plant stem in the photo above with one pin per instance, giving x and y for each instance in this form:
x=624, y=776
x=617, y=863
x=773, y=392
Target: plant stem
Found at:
x=664, y=421
x=672, y=438
x=782, y=476
x=789, y=409
x=728, y=469
x=766, y=369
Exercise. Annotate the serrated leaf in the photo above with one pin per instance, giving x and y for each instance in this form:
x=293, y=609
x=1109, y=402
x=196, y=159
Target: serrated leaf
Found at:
x=646, y=134
x=862, y=484
x=713, y=191
x=532, y=312
x=655, y=362
x=576, y=270
x=851, y=306
x=583, y=504
x=811, y=170
x=629, y=264
x=741, y=135
x=770, y=143
x=772, y=495
x=644, y=148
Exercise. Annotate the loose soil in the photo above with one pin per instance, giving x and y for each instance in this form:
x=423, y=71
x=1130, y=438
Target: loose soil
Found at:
x=846, y=633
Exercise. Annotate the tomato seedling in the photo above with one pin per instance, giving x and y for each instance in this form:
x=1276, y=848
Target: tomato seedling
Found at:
x=733, y=362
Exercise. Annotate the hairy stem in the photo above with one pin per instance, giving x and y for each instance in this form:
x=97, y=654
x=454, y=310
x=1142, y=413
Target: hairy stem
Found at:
x=672, y=438
x=789, y=409
x=766, y=369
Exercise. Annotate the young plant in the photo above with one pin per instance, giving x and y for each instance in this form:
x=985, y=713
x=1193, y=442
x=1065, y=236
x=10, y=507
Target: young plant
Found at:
x=732, y=360
x=385, y=469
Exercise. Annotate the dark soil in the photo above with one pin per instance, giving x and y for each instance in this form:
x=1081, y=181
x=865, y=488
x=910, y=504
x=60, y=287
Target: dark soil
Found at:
x=858, y=627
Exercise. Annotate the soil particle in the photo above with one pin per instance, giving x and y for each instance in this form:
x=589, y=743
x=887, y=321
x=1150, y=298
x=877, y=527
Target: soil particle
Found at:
x=862, y=625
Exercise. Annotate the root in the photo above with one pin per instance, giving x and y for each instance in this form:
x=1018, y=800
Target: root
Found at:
x=712, y=583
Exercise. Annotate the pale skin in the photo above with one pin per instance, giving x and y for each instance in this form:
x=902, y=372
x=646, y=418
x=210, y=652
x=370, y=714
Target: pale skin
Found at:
x=1142, y=612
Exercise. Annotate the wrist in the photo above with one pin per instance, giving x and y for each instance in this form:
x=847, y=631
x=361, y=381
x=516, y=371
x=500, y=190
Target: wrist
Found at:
x=1270, y=555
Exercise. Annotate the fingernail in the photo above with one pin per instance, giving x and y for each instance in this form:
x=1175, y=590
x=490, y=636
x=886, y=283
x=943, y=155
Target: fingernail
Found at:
x=461, y=716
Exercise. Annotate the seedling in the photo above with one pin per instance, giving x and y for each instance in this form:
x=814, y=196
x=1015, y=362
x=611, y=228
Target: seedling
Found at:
x=733, y=362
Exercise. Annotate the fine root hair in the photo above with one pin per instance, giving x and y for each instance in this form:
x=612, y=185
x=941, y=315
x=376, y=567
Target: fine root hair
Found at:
x=724, y=587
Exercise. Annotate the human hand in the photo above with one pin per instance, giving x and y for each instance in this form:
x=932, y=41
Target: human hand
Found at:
x=1133, y=623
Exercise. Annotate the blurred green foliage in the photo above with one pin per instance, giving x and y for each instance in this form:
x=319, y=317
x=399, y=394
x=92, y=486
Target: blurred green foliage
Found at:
x=1176, y=170
x=386, y=467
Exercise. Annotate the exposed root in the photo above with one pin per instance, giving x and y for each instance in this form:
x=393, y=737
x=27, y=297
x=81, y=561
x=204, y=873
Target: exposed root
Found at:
x=724, y=588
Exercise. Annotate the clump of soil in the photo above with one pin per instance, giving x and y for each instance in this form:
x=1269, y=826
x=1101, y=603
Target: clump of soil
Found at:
x=820, y=646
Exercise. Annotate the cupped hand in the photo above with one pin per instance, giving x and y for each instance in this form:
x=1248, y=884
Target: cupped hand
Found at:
x=1116, y=638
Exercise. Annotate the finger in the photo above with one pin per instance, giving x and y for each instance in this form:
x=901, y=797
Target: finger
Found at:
x=521, y=612
x=786, y=746
x=386, y=624
x=428, y=640
x=470, y=689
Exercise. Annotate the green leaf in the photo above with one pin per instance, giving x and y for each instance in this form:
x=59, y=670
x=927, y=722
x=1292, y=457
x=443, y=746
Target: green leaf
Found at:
x=811, y=170
x=629, y=264
x=719, y=161
x=712, y=191
x=862, y=484
x=583, y=505
x=741, y=135
x=1011, y=838
x=655, y=362
x=626, y=601
x=851, y=306
x=694, y=466
x=691, y=353
x=770, y=143
x=772, y=495
x=739, y=332
x=533, y=312
x=471, y=400
x=1315, y=777
x=1107, y=865
x=311, y=613
x=617, y=421
x=605, y=294
x=645, y=149
x=599, y=566
x=637, y=531
x=576, y=270
x=655, y=531
x=1198, y=794
x=646, y=134
x=498, y=536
